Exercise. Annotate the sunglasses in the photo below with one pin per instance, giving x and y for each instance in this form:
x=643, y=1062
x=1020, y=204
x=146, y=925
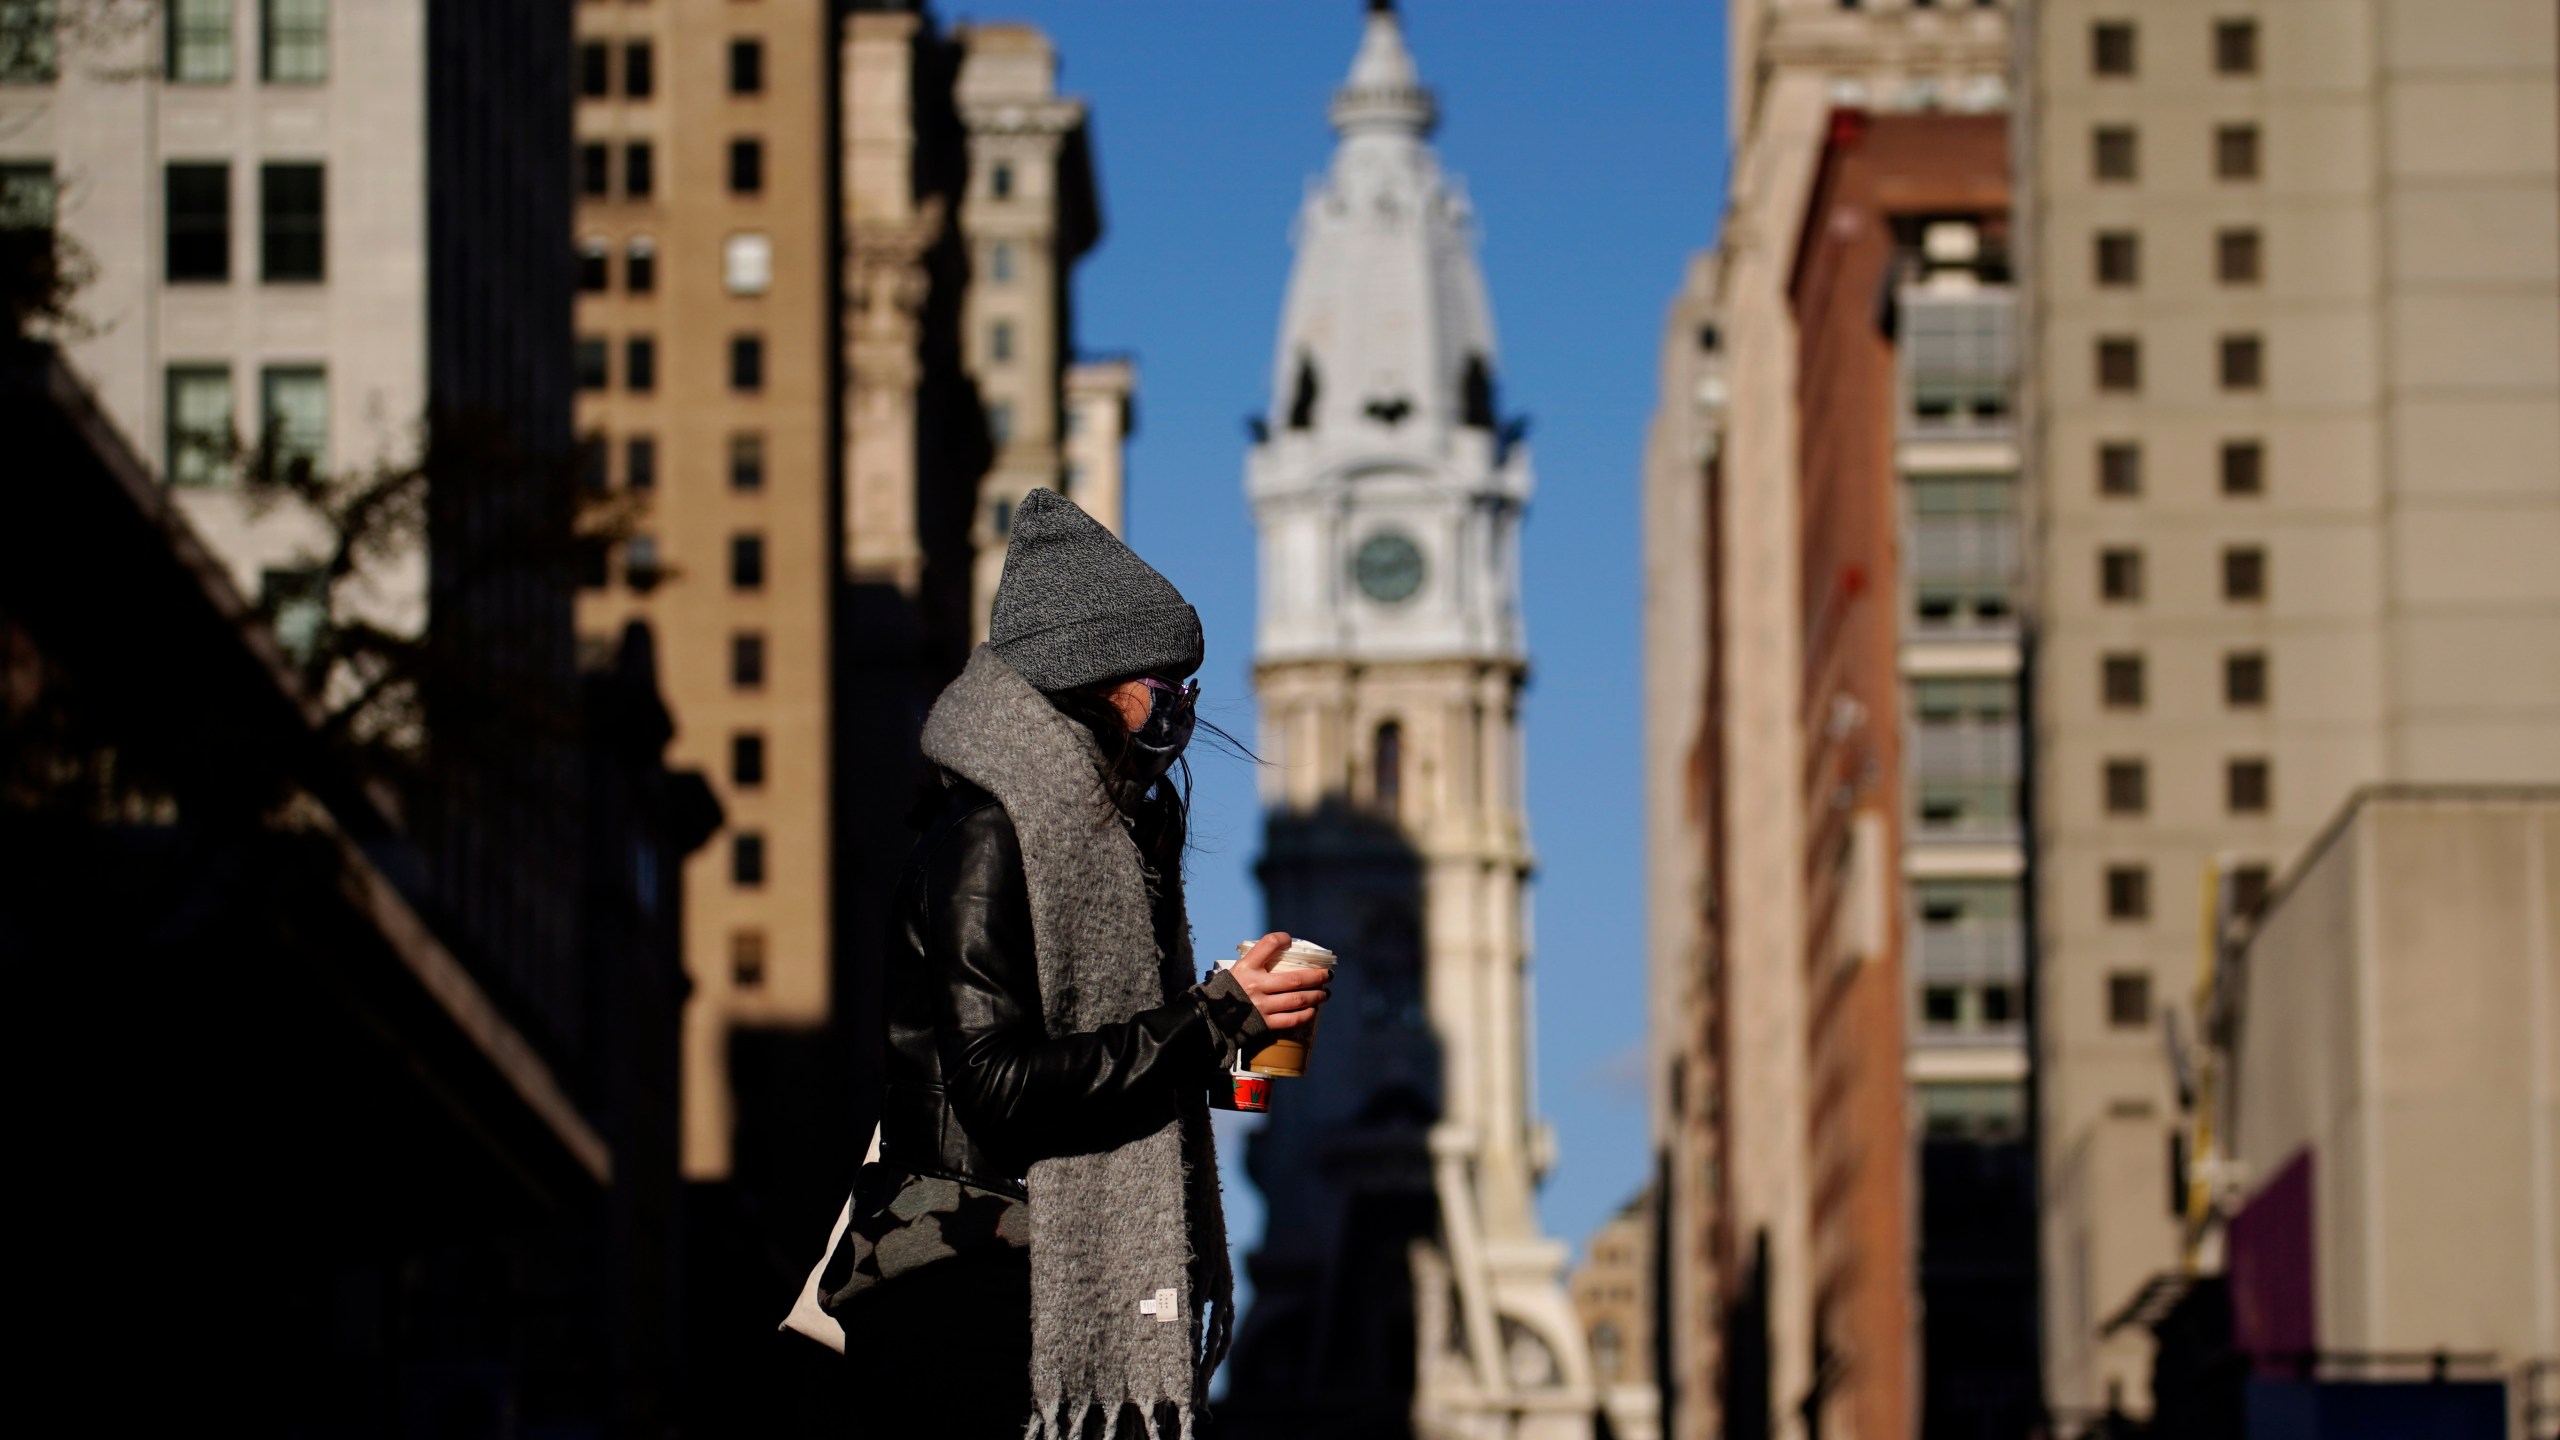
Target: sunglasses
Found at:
x=1181, y=697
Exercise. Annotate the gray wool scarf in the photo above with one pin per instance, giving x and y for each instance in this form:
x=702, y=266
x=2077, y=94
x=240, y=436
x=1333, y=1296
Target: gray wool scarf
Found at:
x=1114, y=1233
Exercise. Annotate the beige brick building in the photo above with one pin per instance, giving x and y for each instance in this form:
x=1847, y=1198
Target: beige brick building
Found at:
x=2291, y=275
x=814, y=560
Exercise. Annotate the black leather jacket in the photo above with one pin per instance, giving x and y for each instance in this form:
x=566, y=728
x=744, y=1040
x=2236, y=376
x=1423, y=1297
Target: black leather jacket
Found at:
x=976, y=1087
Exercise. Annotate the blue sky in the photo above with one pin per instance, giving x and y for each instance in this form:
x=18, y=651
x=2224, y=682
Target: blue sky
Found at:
x=1591, y=136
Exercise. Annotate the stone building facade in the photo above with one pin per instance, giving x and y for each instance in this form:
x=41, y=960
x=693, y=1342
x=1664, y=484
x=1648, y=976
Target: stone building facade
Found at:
x=2292, y=388
x=1411, y=1290
x=1751, y=1048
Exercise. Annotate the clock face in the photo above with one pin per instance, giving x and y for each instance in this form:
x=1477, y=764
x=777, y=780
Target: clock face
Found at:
x=1388, y=567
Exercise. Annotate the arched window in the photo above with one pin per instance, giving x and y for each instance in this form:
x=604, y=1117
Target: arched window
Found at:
x=1387, y=768
x=1302, y=400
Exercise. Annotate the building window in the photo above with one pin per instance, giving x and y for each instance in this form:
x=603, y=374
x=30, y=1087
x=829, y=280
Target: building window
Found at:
x=746, y=167
x=28, y=47
x=595, y=464
x=2119, y=469
x=1000, y=424
x=2244, y=467
x=639, y=70
x=2243, y=362
x=2249, y=886
x=595, y=368
x=2244, y=679
x=2119, y=364
x=1000, y=262
x=2111, y=50
x=200, y=437
x=2128, y=787
x=1000, y=341
x=292, y=223
x=746, y=67
x=199, y=220
x=594, y=265
x=746, y=362
x=2114, y=154
x=746, y=760
x=746, y=660
x=746, y=959
x=1942, y=1005
x=2119, y=258
x=640, y=364
x=2128, y=892
x=1387, y=767
x=640, y=462
x=2235, y=152
x=1999, y=1004
x=2247, y=786
x=595, y=171
x=642, y=568
x=2236, y=257
x=297, y=42
x=2120, y=575
x=1000, y=516
x=746, y=859
x=1000, y=180
x=295, y=600
x=199, y=42
x=293, y=416
x=746, y=462
x=2128, y=999
x=746, y=264
x=746, y=562
x=595, y=70
x=639, y=170
x=640, y=266
x=2235, y=47
x=594, y=561
x=2244, y=573
x=2120, y=681
x=27, y=195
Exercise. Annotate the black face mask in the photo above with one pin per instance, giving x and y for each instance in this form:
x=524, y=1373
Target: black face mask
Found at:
x=1160, y=741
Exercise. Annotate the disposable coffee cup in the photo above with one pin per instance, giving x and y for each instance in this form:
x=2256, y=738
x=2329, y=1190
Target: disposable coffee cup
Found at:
x=1285, y=1056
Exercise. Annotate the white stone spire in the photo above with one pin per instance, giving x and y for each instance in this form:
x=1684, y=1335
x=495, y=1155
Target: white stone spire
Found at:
x=1412, y=1287
x=1385, y=377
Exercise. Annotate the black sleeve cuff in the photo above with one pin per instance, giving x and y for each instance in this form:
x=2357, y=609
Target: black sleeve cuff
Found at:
x=1233, y=1021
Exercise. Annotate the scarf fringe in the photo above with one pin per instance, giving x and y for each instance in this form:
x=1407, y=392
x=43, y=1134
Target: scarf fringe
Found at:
x=1053, y=1422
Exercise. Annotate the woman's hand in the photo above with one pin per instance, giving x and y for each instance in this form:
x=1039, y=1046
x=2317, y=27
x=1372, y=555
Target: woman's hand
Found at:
x=1287, y=998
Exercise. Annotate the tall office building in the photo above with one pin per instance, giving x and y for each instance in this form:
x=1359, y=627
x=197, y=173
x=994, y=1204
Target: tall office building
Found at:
x=816, y=560
x=1409, y=1289
x=328, y=231
x=2292, y=364
x=1779, y=1159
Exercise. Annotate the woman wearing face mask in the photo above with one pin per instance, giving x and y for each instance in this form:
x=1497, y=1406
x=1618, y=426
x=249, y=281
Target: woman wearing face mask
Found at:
x=1040, y=1244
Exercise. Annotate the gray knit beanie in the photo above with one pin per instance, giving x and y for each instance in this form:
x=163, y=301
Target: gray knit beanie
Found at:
x=1076, y=606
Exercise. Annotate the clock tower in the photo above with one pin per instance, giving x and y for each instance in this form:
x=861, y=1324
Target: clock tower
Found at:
x=1403, y=1284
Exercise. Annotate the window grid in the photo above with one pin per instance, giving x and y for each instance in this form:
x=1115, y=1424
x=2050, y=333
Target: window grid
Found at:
x=746, y=561
x=2120, y=681
x=2119, y=361
x=2244, y=573
x=746, y=462
x=2244, y=679
x=2115, y=154
x=2128, y=999
x=2128, y=892
x=2112, y=48
x=2128, y=787
x=293, y=243
x=2118, y=260
x=2120, y=575
x=2243, y=362
x=199, y=425
x=2244, y=467
x=2120, y=469
x=293, y=415
x=2237, y=257
x=296, y=36
x=199, y=42
x=2235, y=47
x=198, y=219
x=2248, y=786
x=2235, y=152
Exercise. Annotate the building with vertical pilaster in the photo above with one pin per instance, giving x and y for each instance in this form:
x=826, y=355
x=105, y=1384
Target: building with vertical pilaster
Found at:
x=2291, y=395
